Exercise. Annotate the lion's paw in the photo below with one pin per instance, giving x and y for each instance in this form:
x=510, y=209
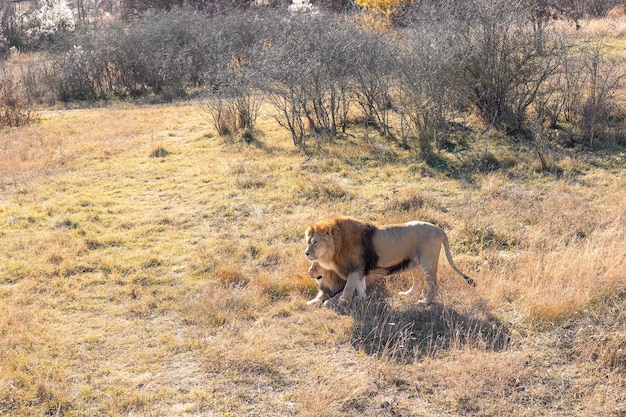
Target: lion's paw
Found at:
x=316, y=302
x=424, y=302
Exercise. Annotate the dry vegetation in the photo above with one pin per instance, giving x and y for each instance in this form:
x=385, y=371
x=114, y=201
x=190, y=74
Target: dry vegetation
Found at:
x=148, y=267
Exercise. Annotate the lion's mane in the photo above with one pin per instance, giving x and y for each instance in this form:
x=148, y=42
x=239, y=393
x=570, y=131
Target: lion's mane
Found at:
x=352, y=240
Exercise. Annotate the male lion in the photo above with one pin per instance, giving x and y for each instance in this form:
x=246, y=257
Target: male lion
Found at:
x=353, y=248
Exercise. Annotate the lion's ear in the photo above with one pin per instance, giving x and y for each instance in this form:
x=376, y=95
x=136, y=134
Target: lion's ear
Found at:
x=331, y=234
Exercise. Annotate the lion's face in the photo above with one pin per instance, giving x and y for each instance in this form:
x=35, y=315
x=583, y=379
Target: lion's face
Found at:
x=316, y=272
x=319, y=246
x=327, y=281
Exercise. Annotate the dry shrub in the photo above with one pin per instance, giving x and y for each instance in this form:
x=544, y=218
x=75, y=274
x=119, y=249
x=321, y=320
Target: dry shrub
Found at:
x=15, y=108
x=283, y=285
x=159, y=152
x=410, y=201
x=231, y=275
x=317, y=189
x=475, y=237
x=617, y=12
x=225, y=123
x=613, y=27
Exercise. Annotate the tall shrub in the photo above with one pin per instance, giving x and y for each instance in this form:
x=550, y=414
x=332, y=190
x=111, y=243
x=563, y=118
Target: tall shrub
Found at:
x=506, y=63
x=430, y=66
x=231, y=72
x=15, y=107
x=308, y=66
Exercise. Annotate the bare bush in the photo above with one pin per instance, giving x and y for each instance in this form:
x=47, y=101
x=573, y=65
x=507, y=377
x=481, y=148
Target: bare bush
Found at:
x=599, y=8
x=604, y=76
x=559, y=98
x=233, y=108
x=500, y=61
x=73, y=75
x=230, y=74
x=582, y=95
x=15, y=107
x=507, y=64
x=374, y=79
x=307, y=71
x=429, y=71
x=160, y=55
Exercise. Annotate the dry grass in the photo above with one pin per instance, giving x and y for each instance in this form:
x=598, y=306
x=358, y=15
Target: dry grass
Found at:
x=150, y=268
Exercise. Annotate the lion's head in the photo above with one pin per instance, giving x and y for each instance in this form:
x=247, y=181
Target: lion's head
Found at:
x=316, y=271
x=328, y=282
x=320, y=243
x=342, y=244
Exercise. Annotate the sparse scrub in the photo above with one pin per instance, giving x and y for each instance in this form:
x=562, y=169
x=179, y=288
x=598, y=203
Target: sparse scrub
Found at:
x=306, y=73
x=231, y=78
x=159, y=152
x=325, y=73
x=429, y=80
x=15, y=107
x=506, y=64
x=374, y=79
x=604, y=76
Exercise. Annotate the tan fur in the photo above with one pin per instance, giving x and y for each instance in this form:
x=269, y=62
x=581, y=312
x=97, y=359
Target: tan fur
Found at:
x=353, y=248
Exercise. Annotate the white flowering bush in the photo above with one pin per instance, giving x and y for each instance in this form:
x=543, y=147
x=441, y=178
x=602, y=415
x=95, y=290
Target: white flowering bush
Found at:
x=52, y=17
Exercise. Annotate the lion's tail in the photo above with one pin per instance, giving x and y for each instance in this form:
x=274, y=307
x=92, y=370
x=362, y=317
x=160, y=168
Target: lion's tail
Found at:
x=409, y=291
x=446, y=246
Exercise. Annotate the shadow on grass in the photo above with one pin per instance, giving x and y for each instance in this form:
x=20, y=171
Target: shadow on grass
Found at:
x=421, y=331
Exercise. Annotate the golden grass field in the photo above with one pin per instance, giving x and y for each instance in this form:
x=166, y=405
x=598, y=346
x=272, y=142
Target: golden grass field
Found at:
x=151, y=268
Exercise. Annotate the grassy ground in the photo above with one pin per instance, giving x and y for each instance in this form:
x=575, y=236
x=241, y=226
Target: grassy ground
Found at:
x=149, y=268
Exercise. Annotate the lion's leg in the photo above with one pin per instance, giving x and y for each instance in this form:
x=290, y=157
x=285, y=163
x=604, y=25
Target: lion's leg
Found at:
x=355, y=281
x=430, y=277
x=318, y=300
x=411, y=290
x=332, y=301
x=360, y=288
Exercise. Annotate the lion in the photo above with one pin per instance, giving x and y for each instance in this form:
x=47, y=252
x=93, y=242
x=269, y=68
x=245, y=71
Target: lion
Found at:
x=353, y=248
x=330, y=284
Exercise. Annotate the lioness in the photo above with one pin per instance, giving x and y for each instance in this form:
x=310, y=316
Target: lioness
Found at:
x=353, y=248
x=329, y=284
